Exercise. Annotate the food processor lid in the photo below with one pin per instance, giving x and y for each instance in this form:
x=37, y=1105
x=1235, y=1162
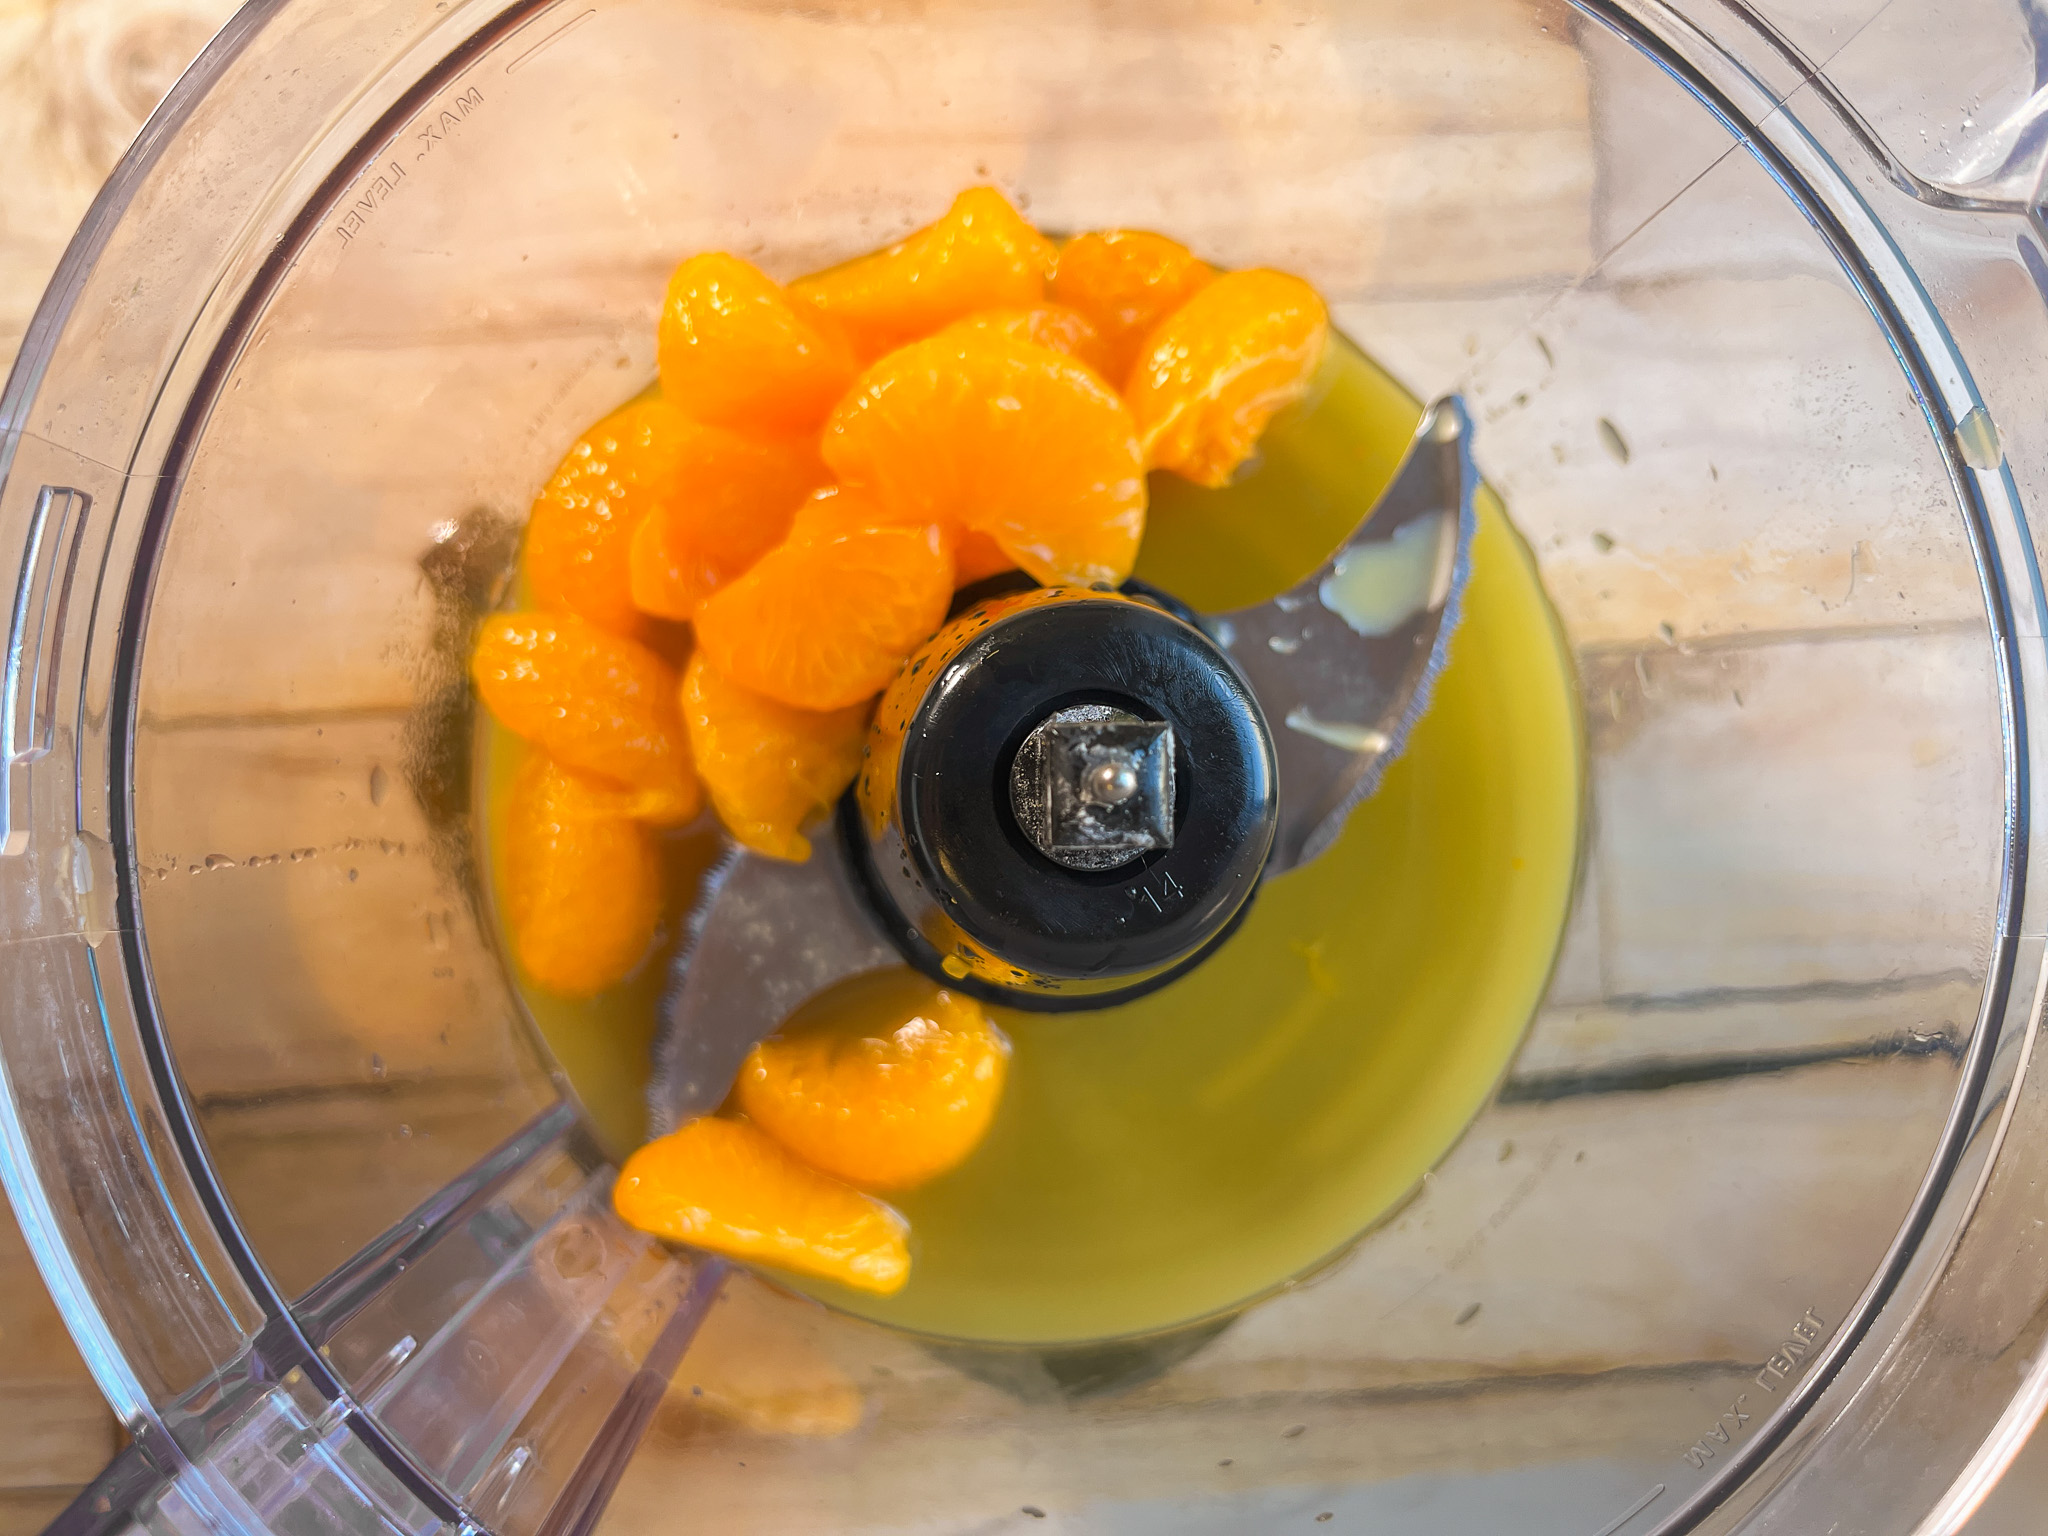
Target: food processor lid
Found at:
x=476, y=1341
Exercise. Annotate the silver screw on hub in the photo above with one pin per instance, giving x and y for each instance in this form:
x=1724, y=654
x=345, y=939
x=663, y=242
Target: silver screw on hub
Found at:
x=1092, y=787
x=1111, y=781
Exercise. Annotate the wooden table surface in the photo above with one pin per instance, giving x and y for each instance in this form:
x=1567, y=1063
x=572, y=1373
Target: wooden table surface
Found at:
x=77, y=77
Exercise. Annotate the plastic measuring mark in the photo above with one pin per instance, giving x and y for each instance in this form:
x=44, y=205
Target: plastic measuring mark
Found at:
x=35, y=633
x=1632, y=1511
x=552, y=38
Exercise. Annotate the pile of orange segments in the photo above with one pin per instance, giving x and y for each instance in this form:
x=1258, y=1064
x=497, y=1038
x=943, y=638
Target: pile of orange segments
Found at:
x=786, y=516
x=877, y=1086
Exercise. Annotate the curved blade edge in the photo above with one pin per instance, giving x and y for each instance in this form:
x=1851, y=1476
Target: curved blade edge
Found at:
x=764, y=937
x=1344, y=662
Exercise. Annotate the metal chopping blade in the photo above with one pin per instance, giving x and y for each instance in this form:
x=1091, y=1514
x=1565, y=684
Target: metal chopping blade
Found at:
x=765, y=936
x=1342, y=664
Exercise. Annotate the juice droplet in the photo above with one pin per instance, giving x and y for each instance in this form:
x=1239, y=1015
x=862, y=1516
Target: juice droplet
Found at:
x=1341, y=734
x=1977, y=440
x=1376, y=588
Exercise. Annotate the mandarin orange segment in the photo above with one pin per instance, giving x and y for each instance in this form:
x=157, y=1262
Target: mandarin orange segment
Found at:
x=731, y=500
x=824, y=623
x=769, y=769
x=976, y=557
x=833, y=510
x=987, y=432
x=723, y=1185
x=596, y=702
x=581, y=528
x=582, y=882
x=981, y=255
x=1045, y=325
x=1215, y=371
x=737, y=352
x=885, y=1080
x=1126, y=281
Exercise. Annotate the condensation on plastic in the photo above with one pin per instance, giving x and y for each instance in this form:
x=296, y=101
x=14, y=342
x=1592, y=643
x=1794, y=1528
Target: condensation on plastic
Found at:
x=499, y=1347
x=1925, y=130
x=470, y=1338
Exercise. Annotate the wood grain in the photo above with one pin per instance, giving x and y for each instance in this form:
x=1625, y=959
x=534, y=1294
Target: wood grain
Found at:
x=761, y=1430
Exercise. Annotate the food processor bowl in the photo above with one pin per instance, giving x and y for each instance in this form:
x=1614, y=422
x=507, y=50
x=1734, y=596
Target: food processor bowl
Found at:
x=1746, y=302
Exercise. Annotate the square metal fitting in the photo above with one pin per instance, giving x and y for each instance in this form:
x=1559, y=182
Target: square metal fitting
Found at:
x=1108, y=786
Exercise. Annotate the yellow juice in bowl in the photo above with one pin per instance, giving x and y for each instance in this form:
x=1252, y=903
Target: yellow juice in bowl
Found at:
x=1171, y=1158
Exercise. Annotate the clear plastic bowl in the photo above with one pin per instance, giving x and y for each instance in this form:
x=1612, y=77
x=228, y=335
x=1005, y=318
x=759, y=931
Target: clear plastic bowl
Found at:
x=1748, y=302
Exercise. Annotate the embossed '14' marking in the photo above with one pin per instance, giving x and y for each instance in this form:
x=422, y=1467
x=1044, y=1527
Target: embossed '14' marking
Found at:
x=1159, y=897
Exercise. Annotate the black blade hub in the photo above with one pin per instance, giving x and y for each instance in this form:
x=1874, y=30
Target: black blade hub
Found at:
x=1068, y=800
